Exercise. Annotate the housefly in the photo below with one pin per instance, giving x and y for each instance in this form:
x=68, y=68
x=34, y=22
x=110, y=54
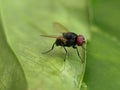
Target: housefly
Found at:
x=67, y=39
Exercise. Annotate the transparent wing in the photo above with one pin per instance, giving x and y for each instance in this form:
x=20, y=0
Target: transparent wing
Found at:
x=50, y=36
x=58, y=37
x=59, y=27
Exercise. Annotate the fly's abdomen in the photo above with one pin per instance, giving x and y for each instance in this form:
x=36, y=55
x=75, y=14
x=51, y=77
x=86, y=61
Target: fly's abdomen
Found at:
x=59, y=42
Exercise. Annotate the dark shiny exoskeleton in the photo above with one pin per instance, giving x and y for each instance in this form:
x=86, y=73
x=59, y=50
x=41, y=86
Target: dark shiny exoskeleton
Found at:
x=71, y=40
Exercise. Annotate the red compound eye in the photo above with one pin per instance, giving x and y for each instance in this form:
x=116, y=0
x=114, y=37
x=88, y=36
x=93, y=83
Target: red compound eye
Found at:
x=80, y=40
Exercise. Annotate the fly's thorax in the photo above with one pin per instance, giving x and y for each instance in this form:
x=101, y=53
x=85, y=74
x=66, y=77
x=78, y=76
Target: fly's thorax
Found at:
x=70, y=35
x=71, y=38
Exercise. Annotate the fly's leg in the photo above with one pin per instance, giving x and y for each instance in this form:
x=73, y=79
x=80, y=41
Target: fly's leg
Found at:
x=50, y=49
x=78, y=53
x=65, y=53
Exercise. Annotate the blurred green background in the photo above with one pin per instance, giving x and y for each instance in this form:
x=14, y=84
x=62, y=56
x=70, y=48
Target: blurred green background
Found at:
x=23, y=67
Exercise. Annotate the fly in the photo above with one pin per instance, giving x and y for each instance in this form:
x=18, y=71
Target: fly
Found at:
x=67, y=39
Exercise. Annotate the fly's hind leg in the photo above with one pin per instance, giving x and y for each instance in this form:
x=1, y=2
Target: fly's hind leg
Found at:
x=50, y=49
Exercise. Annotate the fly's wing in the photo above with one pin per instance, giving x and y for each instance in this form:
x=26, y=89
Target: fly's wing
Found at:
x=49, y=36
x=60, y=27
x=57, y=37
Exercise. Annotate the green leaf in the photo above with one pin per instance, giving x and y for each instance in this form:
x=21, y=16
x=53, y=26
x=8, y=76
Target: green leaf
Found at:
x=103, y=64
x=11, y=73
x=24, y=22
x=102, y=71
x=106, y=16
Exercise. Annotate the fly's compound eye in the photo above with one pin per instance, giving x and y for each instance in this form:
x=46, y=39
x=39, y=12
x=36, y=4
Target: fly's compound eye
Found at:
x=80, y=40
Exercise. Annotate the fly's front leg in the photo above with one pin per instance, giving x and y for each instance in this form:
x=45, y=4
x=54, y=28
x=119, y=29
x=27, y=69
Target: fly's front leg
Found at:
x=78, y=54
